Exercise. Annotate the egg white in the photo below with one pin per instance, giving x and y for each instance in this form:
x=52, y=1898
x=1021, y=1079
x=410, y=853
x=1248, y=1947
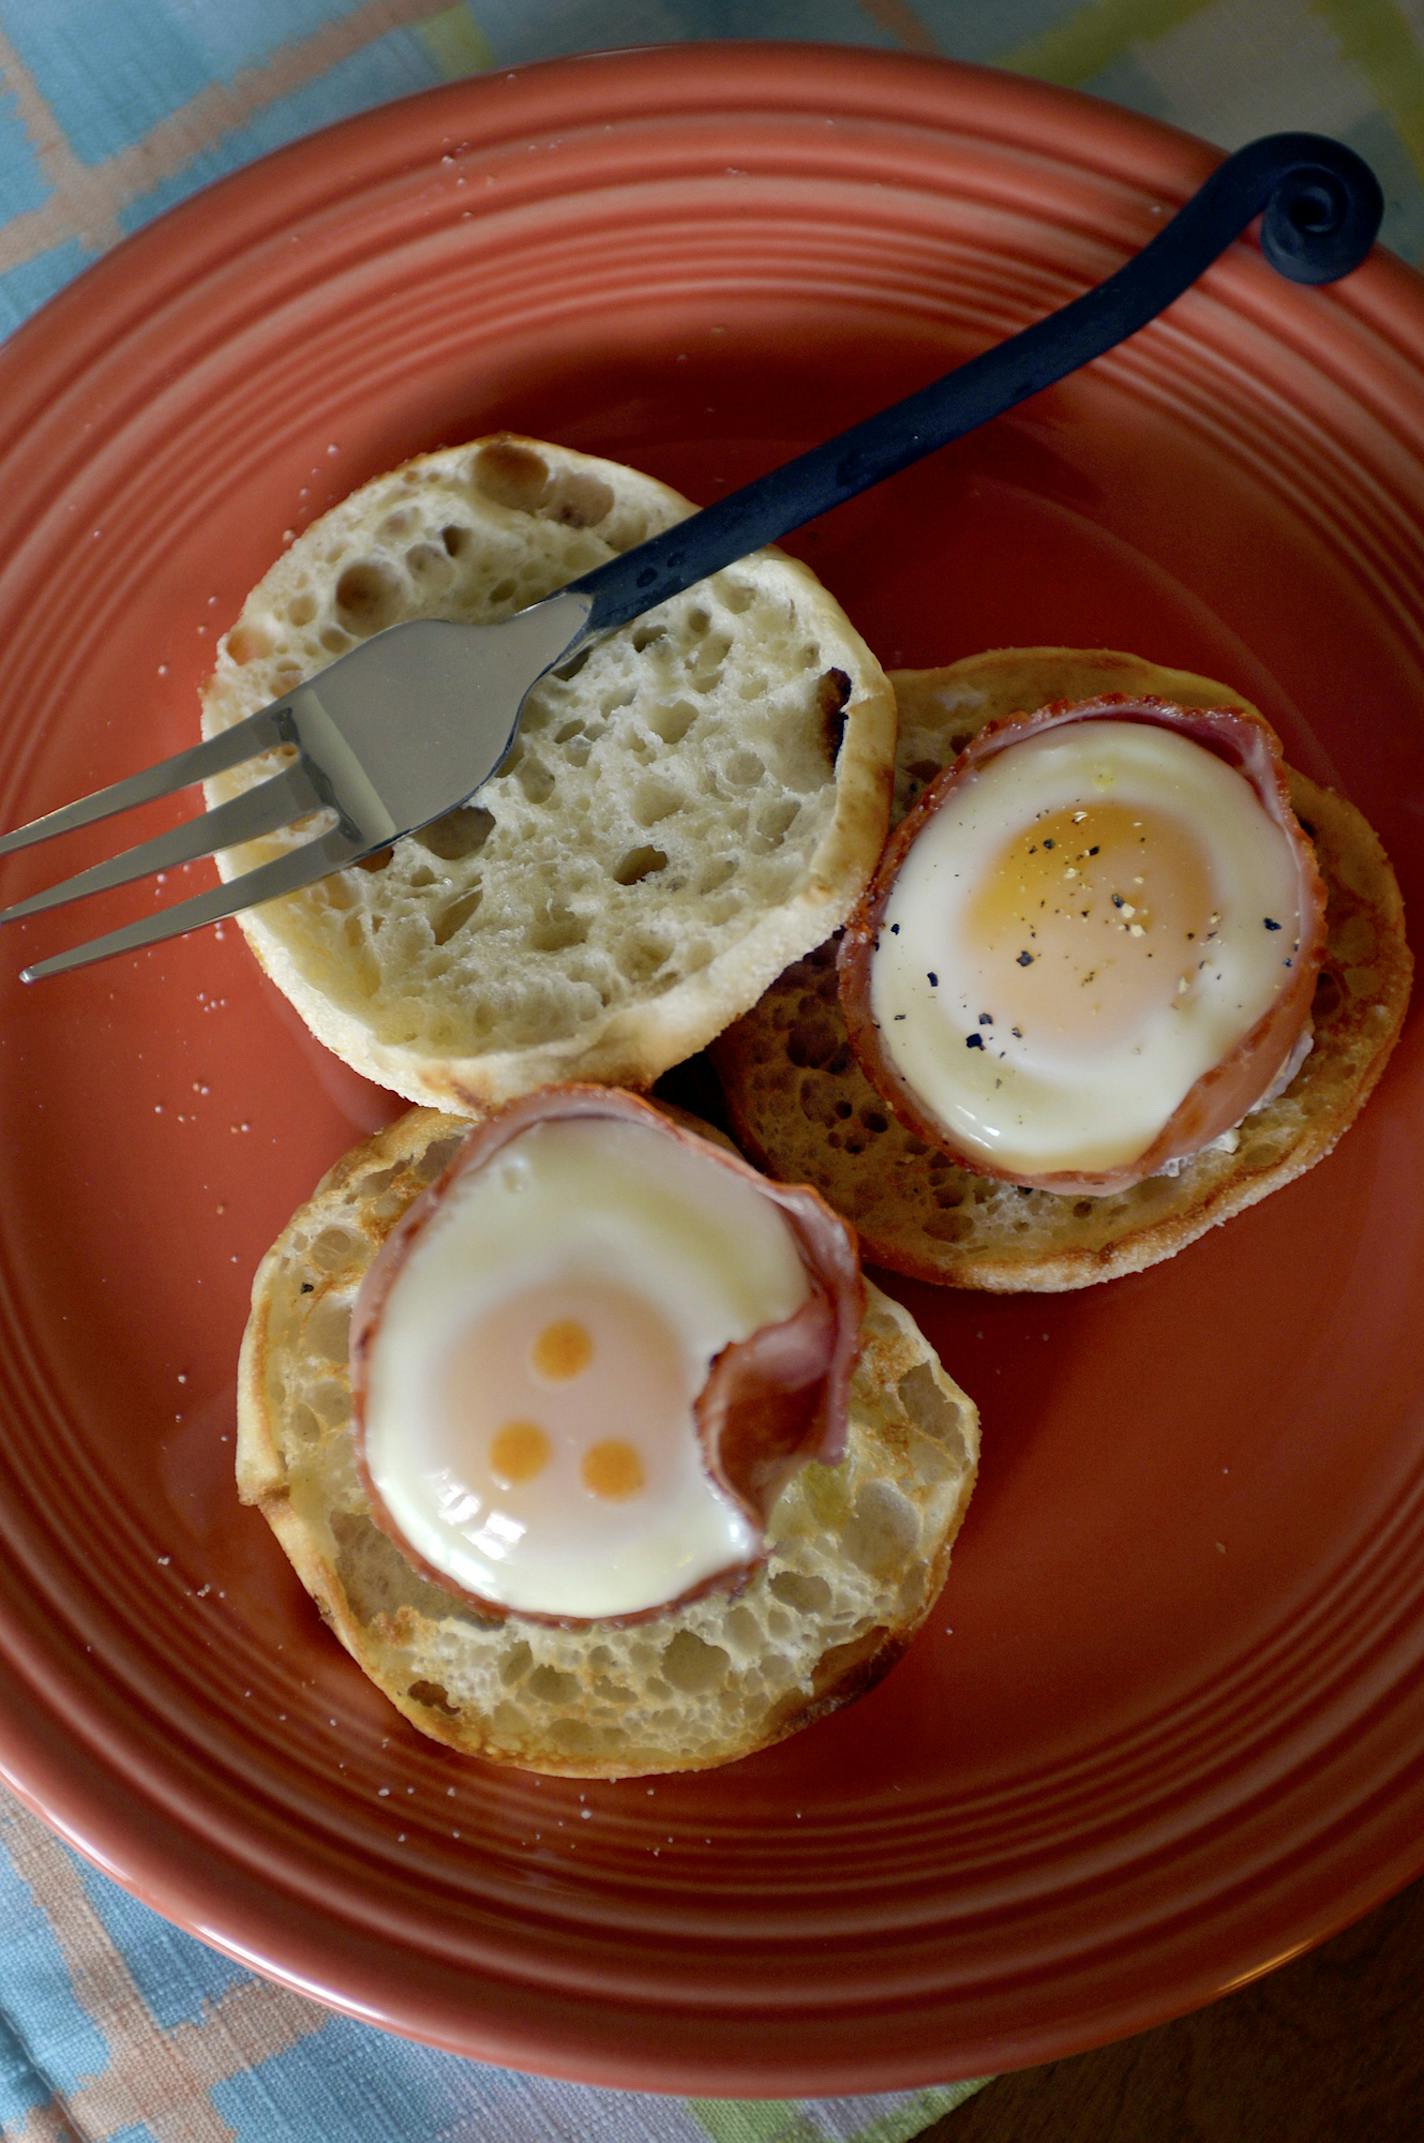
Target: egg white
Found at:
x=575, y=1205
x=1031, y=1101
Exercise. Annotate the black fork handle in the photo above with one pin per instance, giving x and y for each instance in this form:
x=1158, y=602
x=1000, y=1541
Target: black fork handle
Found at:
x=1321, y=207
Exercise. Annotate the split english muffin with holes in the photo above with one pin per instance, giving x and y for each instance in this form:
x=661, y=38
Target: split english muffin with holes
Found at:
x=694, y=803
x=1119, y=975
x=592, y=1445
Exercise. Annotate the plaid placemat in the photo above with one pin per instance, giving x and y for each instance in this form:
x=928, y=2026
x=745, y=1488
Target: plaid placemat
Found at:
x=115, y=2027
x=111, y=110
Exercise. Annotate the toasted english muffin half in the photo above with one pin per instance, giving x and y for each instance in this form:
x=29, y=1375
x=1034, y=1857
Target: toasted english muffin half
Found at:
x=695, y=802
x=804, y=1110
x=858, y=1551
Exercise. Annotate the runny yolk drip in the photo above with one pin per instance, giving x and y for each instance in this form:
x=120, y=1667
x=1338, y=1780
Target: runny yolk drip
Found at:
x=1091, y=919
x=519, y=1452
x=613, y=1470
x=563, y=1350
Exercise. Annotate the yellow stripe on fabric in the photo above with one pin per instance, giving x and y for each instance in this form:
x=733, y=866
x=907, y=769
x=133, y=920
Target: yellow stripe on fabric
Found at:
x=1375, y=38
x=1095, y=35
x=456, y=43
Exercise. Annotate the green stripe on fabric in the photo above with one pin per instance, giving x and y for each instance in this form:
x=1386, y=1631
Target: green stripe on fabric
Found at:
x=1375, y=38
x=456, y=43
x=915, y=2115
x=1095, y=35
x=769, y=2120
x=785, y=2121
x=753, y=2120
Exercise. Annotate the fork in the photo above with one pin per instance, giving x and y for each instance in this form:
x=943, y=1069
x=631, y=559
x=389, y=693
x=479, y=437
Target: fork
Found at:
x=353, y=758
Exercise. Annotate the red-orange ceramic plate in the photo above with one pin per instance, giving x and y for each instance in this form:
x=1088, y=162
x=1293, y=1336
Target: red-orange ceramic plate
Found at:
x=1167, y=1725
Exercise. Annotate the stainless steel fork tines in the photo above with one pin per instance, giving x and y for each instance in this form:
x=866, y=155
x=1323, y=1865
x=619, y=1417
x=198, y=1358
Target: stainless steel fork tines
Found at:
x=381, y=742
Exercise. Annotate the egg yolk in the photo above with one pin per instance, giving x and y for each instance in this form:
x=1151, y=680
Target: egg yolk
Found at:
x=562, y=1350
x=535, y=1397
x=613, y=1470
x=520, y=1451
x=1092, y=918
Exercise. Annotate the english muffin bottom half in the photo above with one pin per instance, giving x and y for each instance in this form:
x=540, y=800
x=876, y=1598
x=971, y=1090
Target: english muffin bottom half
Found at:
x=805, y=1110
x=856, y=1551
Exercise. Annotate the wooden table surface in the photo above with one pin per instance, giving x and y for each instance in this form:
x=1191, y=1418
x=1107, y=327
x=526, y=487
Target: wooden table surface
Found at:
x=1330, y=2049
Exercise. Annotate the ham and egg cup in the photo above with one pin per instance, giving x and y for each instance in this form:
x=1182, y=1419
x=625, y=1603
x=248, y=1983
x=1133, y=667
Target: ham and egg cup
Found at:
x=589, y=1357
x=1090, y=948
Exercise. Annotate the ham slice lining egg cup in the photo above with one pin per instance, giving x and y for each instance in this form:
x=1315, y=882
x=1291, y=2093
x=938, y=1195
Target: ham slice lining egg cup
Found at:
x=589, y=1357
x=1090, y=948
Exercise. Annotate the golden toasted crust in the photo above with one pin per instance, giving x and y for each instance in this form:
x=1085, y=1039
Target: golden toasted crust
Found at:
x=858, y=1551
x=802, y=1107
